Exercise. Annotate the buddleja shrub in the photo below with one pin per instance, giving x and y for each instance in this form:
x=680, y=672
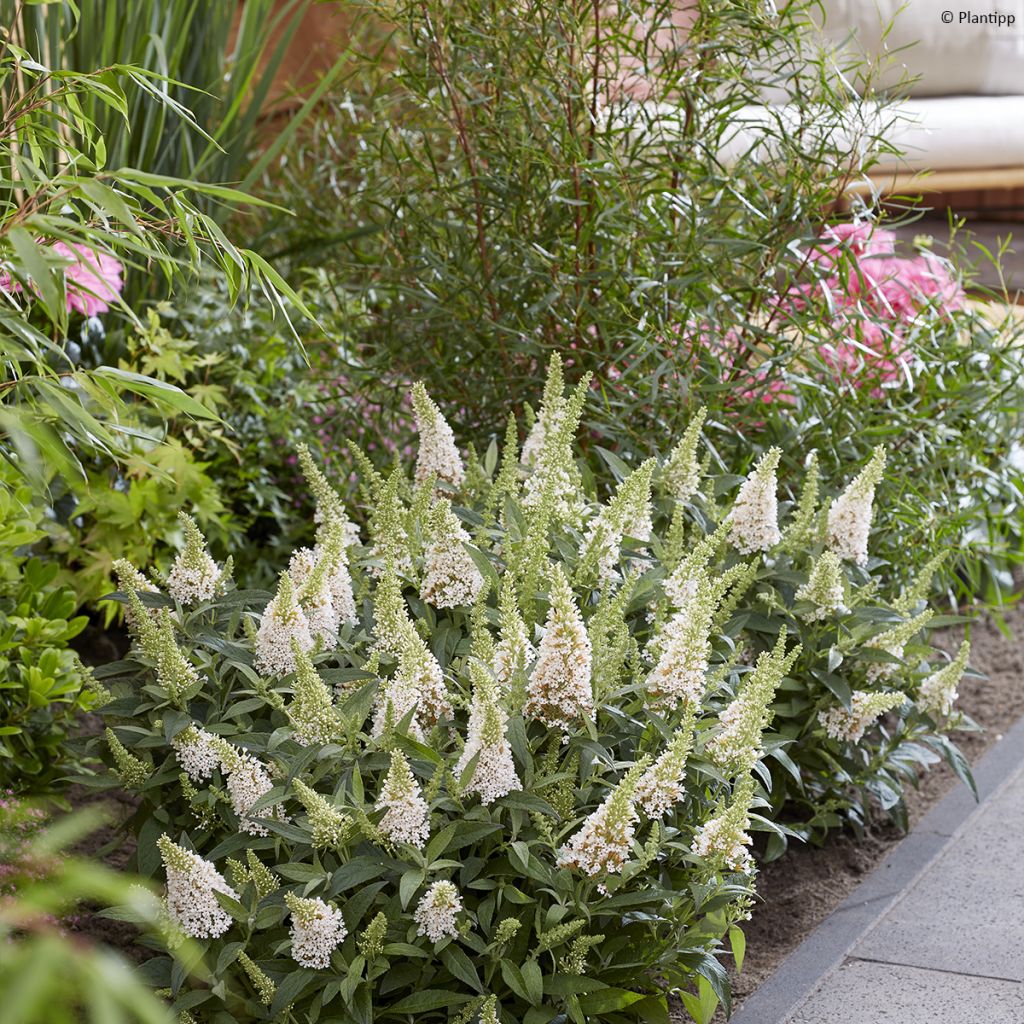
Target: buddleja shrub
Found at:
x=501, y=761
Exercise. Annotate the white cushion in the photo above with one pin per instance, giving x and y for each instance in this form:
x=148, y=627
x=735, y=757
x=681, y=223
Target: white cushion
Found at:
x=958, y=132
x=947, y=60
x=946, y=133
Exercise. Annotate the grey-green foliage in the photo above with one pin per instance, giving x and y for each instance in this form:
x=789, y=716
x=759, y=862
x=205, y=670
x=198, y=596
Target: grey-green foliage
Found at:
x=503, y=193
x=512, y=737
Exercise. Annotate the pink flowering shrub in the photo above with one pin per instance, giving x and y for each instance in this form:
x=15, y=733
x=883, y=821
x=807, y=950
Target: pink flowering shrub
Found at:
x=859, y=311
x=92, y=279
x=872, y=298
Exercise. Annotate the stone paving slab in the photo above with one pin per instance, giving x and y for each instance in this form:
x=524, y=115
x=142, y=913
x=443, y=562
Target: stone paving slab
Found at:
x=935, y=934
x=861, y=992
x=966, y=913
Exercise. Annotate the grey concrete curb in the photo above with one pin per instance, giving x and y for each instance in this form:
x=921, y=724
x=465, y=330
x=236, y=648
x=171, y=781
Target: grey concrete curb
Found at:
x=826, y=947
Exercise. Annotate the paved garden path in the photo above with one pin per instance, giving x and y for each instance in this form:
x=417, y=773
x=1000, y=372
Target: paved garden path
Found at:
x=935, y=935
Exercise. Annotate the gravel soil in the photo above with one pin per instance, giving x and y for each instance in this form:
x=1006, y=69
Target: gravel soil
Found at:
x=802, y=888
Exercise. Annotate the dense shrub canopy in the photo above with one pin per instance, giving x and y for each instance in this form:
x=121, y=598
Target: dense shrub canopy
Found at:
x=513, y=745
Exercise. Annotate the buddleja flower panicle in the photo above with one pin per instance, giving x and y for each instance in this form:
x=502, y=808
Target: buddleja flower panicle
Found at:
x=938, y=692
x=849, y=724
x=495, y=773
x=283, y=628
x=850, y=515
x=438, y=457
x=437, y=912
x=191, y=884
x=407, y=817
x=195, y=576
x=560, y=692
x=317, y=930
x=754, y=519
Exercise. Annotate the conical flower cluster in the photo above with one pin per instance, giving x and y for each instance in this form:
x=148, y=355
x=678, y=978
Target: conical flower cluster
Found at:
x=603, y=843
x=918, y=591
x=824, y=588
x=754, y=519
x=737, y=748
x=419, y=669
x=263, y=879
x=391, y=619
x=684, y=645
x=371, y=942
x=684, y=581
x=330, y=828
x=407, y=818
x=555, y=487
x=311, y=711
x=248, y=782
x=549, y=419
x=723, y=840
x=628, y=514
x=418, y=683
x=330, y=509
x=452, y=578
x=265, y=988
x=661, y=786
x=438, y=458
x=191, y=884
x=849, y=516
x=495, y=772
x=681, y=473
x=849, y=725
x=436, y=912
x=396, y=698
x=195, y=576
x=197, y=752
x=174, y=672
x=893, y=641
x=559, y=692
x=388, y=529
x=938, y=692
x=514, y=651
x=133, y=771
x=317, y=930
x=283, y=625
x=129, y=579
x=804, y=528
x=324, y=585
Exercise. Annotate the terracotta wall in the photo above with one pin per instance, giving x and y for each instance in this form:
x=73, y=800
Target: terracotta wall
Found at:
x=321, y=35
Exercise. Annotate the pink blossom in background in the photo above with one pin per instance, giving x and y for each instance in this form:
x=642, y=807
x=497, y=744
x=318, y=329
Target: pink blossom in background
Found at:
x=871, y=298
x=859, y=239
x=93, y=279
x=749, y=383
x=865, y=295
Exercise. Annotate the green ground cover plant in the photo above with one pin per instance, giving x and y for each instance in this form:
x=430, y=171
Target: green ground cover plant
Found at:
x=43, y=685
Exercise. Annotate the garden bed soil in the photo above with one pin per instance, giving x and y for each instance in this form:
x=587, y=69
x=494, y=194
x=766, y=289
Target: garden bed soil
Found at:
x=797, y=892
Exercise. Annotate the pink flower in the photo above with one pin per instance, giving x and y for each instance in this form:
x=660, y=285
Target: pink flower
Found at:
x=859, y=239
x=8, y=284
x=900, y=288
x=93, y=279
